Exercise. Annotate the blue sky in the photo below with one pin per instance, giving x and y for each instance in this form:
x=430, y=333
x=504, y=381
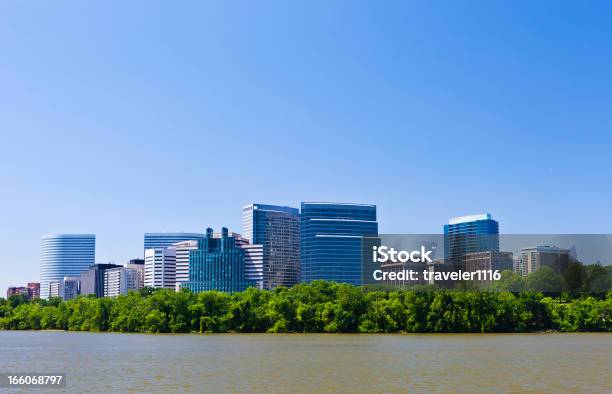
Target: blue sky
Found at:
x=117, y=119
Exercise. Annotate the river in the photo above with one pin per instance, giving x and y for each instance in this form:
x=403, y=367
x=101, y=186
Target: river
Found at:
x=296, y=363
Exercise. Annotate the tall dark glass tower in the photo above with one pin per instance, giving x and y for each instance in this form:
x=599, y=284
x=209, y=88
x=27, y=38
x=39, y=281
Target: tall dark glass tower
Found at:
x=332, y=236
x=277, y=229
x=469, y=234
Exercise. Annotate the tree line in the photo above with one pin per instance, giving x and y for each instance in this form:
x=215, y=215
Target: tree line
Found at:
x=312, y=308
x=577, y=278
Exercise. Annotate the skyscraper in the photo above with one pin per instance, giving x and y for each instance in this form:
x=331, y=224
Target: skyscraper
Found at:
x=332, y=236
x=217, y=264
x=277, y=229
x=64, y=255
x=160, y=268
x=164, y=240
x=470, y=234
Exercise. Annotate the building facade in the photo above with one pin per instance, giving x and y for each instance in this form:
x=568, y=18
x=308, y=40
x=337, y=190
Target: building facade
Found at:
x=182, y=261
x=55, y=288
x=64, y=255
x=441, y=267
x=34, y=289
x=277, y=229
x=332, y=236
x=217, y=264
x=12, y=291
x=470, y=234
x=519, y=267
x=164, y=240
x=487, y=261
x=254, y=264
x=69, y=287
x=160, y=268
x=119, y=281
x=92, y=280
x=537, y=257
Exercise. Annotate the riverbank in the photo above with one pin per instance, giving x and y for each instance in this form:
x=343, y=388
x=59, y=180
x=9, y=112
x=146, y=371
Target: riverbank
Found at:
x=319, y=307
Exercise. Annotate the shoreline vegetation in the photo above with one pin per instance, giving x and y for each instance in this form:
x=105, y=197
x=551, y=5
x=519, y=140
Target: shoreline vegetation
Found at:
x=317, y=307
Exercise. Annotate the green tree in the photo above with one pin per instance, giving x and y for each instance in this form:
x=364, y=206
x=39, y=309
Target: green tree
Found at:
x=544, y=280
x=575, y=277
x=509, y=281
x=598, y=279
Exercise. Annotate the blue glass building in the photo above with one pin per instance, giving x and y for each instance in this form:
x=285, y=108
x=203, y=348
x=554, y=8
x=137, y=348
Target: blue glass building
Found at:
x=277, y=229
x=470, y=234
x=331, y=235
x=165, y=240
x=64, y=255
x=217, y=264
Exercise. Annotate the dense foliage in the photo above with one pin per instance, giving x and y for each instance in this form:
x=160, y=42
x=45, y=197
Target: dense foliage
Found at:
x=592, y=278
x=316, y=307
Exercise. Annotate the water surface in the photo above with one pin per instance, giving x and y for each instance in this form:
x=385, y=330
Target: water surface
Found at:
x=295, y=363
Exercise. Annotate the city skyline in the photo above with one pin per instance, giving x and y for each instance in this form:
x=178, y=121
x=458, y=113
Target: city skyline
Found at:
x=173, y=238
x=114, y=126
x=315, y=196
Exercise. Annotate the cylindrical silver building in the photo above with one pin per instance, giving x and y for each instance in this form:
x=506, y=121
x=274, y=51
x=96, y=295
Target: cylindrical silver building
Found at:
x=64, y=255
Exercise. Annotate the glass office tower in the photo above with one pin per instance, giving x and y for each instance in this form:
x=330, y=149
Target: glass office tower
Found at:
x=277, y=229
x=64, y=255
x=331, y=235
x=470, y=234
x=217, y=264
x=164, y=240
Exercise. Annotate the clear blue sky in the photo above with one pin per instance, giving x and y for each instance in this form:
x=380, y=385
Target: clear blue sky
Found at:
x=117, y=119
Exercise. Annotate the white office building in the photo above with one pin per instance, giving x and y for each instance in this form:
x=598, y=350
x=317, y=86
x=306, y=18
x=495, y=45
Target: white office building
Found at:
x=121, y=280
x=182, y=261
x=160, y=268
x=534, y=258
x=66, y=288
x=253, y=263
x=55, y=288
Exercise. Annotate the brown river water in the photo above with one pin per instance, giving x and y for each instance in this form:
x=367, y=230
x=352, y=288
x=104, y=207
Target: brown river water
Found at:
x=310, y=363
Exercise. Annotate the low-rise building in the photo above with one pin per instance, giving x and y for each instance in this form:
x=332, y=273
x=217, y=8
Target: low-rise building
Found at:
x=92, y=280
x=537, y=257
x=12, y=291
x=121, y=280
x=487, y=261
x=69, y=287
x=34, y=289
